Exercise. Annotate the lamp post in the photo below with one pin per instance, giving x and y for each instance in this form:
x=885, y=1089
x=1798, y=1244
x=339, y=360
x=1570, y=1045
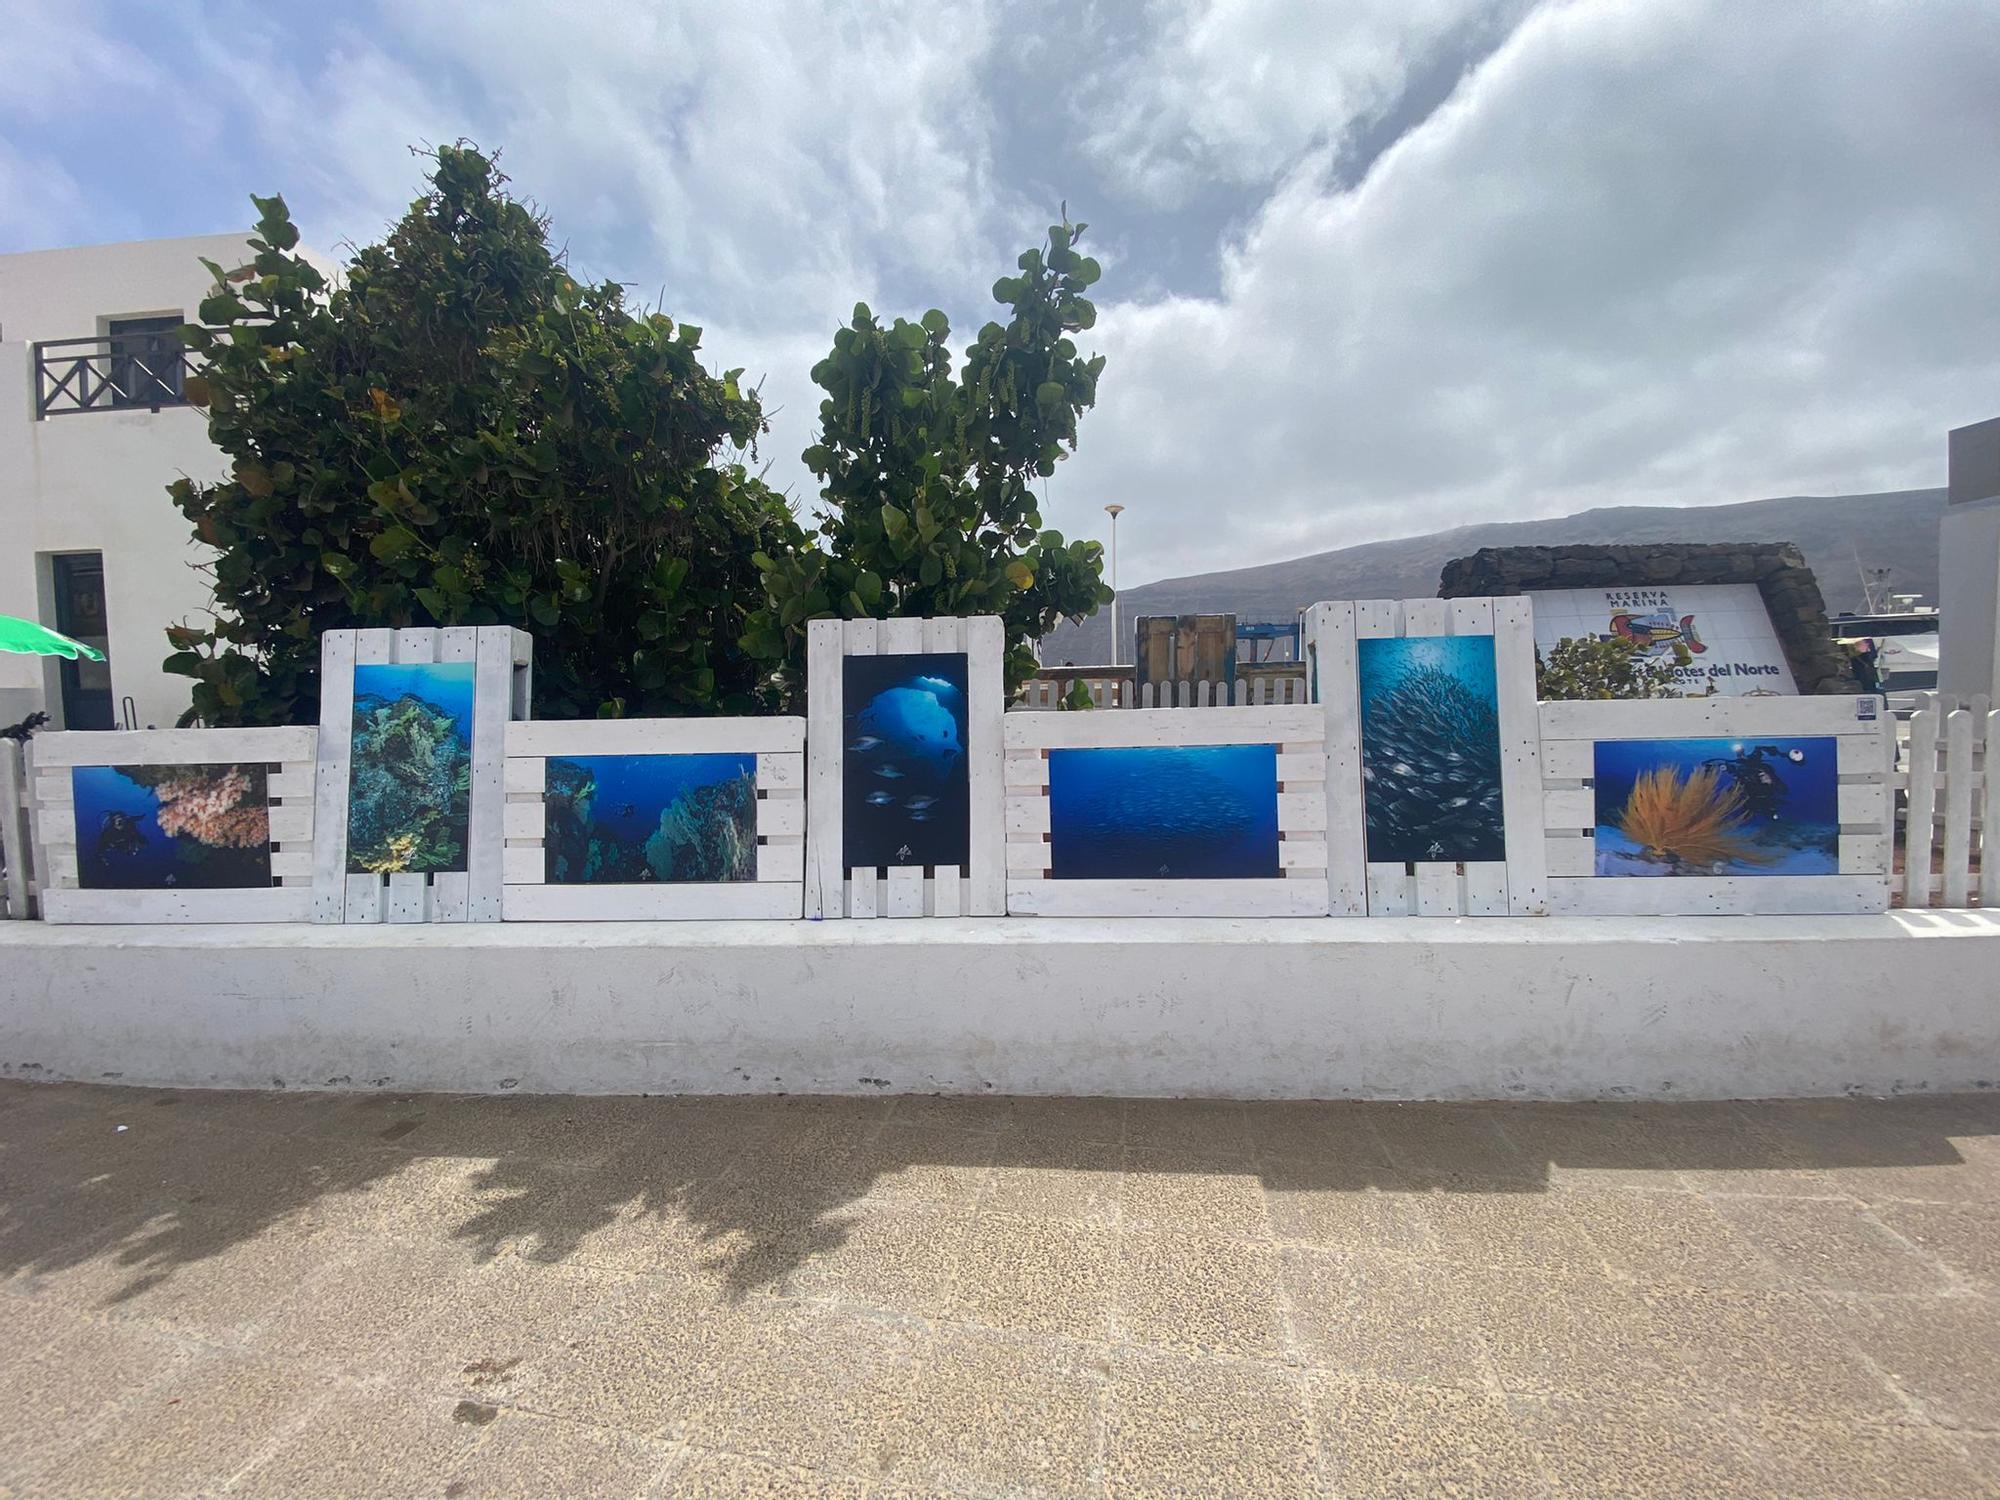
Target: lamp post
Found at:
x=1114, y=511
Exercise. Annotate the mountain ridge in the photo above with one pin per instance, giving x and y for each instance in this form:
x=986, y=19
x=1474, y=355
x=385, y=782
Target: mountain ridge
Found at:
x=1896, y=529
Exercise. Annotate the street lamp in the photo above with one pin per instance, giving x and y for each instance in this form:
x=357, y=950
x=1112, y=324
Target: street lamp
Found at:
x=1114, y=511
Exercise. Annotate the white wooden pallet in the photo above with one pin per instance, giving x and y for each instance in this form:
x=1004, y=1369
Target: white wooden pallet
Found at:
x=1300, y=789
x=1865, y=743
x=502, y=659
x=1516, y=884
x=778, y=890
x=285, y=752
x=978, y=890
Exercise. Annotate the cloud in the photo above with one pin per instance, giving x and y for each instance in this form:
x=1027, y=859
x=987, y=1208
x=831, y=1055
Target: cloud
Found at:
x=1648, y=252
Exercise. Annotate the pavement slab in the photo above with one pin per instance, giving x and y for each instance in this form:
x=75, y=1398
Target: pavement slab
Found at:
x=302, y=1294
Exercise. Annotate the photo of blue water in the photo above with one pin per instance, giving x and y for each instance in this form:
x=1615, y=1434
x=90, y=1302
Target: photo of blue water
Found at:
x=444, y=685
x=215, y=835
x=1715, y=807
x=1430, y=749
x=1204, y=812
x=904, y=794
x=631, y=819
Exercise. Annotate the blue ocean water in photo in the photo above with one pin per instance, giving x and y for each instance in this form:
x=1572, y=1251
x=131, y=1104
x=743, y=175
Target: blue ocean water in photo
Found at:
x=1206, y=812
x=904, y=795
x=1430, y=749
x=1784, y=793
x=444, y=685
x=625, y=819
x=121, y=846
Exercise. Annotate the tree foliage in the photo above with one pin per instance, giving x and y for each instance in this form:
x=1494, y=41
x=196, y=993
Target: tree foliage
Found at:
x=463, y=434
x=927, y=474
x=1601, y=667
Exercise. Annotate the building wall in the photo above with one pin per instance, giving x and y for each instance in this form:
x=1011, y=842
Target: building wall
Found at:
x=96, y=481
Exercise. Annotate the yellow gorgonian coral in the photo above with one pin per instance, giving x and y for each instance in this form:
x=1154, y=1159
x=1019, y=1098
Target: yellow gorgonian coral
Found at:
x=1688, y=820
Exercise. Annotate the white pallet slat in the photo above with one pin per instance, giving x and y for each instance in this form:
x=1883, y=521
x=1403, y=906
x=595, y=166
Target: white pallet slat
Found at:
x=1861, y=802
x=416, y=645
x=262, y=904
x=1568, y=760
x=1687, y=895
x=1485, y=887
x=1026, y=769
x=492, y=706
x=1957, y=807
x=175, y=747
x=16, y=841
x=1989, y=801
x=1027, y=815
x=1297, y=854
x=900, y=637
x=780, y=815
x=574, y=737
x=1570, y=857
x=523, y=820
x=1437, y=892
x=528, y=774
x=409, y=896
x=524, y=864
x=291, y=824
x=786, y=861
x=451, y=895
x=1860, y=752
x=1389, y=893
x=1023, y=855
x=861, y=890
x=1513, y=623
x=1166, y=898
x=905, y=894
x=292, y=864
x=1331, y=629
x=744, y=900
x=1867, y=854
x=824, y=655
x=984, y=641
x=1304, y=768
x=782, y=771
x=363, y=897
x=1708, y=718
x=1302, y=812
x=293, y=784
x=1920, y=822
x=947, y=892
x=1569, y=809
x=337, y=655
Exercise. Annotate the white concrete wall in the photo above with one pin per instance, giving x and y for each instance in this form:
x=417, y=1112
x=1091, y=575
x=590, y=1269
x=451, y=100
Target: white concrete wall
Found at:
x=1969, y=598
x=1486, y=1008
x=96, y=481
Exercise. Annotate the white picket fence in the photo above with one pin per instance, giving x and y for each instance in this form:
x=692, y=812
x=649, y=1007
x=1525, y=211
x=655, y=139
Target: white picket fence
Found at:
x=16, y=892
x=1121, y=692
x=1947, y=782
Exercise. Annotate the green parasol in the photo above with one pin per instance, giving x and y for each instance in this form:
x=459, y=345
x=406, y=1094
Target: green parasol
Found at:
x=30, y=639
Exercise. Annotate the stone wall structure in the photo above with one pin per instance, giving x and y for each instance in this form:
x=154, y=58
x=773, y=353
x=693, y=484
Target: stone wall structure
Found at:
x=1791, y=592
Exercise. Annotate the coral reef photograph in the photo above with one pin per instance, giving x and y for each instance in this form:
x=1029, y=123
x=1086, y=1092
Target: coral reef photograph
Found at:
x=150, y=828
x=409, y=789
x=904, y=792
x=1204, y=812
x=633, y=819
x=1717, y=807
x=1430, y=749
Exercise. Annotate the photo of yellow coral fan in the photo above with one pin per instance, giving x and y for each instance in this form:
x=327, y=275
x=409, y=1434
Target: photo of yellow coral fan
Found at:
x=1716, y=807
x=1688, y=819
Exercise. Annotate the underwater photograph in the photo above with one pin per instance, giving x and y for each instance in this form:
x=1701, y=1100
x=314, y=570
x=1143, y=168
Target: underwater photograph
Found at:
x=1430, y=749
x=1718, y=807
x=156, y=828
x=904, y=793
x=409, y=788
x=1204, y=812
x=633, y=819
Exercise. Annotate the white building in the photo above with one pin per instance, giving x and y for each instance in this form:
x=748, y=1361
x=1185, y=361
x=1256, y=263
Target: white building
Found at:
x=93, y=428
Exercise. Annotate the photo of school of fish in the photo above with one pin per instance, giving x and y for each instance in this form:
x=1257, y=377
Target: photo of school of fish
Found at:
x=1422, y=779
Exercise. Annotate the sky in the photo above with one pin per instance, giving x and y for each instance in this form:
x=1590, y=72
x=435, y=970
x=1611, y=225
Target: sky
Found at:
x=1371, y=267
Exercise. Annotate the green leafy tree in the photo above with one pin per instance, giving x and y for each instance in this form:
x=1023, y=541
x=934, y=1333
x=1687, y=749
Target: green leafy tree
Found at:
x=464, y=434
x=928, y=474
x=1600, y=667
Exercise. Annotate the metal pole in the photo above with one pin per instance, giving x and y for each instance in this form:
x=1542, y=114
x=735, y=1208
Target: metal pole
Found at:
x=1113, y=511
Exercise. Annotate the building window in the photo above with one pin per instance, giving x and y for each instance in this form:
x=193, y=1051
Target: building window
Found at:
x=146, y=360
x=79, y=600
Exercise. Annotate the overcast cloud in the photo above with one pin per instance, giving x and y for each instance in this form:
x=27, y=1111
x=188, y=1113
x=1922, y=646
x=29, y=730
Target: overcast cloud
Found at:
x=1373, y=267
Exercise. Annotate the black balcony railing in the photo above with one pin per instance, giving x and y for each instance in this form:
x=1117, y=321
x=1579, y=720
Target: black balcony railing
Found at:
x=121, y=372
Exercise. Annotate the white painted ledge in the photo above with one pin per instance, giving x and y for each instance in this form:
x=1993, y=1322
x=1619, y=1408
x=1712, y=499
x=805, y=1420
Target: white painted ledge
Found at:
x=1495, y=1007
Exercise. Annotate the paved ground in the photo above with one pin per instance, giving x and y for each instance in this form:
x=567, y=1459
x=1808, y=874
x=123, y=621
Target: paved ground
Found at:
x=298, y=1295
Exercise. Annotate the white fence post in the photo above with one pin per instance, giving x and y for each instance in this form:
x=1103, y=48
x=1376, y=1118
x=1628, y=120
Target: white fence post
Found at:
x=14, y=830
x=1958, y=807
x=1920, y=819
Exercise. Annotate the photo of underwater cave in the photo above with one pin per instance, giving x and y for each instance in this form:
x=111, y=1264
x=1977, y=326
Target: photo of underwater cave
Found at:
x=1718, y=807
x=409, y=787
x=1204, y=812
x=154, y=828
x=635, y=819
x=904, y=795
x=1430, y=749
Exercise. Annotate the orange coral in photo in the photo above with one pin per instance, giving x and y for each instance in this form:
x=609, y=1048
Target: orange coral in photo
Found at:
x=1689, y=820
